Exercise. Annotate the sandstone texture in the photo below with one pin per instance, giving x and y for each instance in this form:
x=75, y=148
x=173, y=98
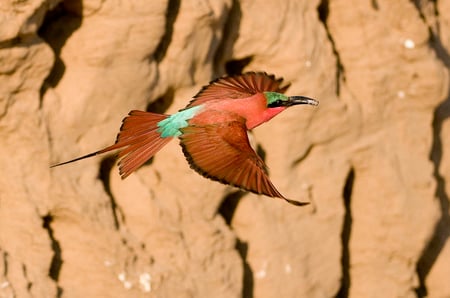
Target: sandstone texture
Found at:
x=373, y=158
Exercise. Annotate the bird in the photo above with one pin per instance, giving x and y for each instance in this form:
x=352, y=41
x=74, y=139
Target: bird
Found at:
x=212, y=130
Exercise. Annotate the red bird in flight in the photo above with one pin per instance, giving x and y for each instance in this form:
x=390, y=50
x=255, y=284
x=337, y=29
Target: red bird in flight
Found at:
x=212, y=130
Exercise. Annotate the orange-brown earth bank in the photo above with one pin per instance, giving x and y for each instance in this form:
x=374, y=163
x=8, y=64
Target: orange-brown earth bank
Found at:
x=373, y=158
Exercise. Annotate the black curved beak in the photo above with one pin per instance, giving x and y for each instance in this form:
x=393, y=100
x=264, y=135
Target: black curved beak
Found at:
x=302, y=100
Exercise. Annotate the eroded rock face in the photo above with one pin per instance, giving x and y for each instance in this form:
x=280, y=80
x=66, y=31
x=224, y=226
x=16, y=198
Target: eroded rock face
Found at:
x=372, y=158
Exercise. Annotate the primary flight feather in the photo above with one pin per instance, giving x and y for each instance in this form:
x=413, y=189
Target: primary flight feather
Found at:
x=212, y=130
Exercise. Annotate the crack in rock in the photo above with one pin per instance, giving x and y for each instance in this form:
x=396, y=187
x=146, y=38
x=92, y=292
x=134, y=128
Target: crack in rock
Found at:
x=106, y=165
x=323, y=10
x=56, y=263
x=345, y=235
x=223, y=54
x=5, y=285
x=442, y=112
x=173, y=7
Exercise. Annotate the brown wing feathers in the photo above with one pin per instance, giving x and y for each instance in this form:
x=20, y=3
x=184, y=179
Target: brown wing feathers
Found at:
x=240, y=86
x=222, y=152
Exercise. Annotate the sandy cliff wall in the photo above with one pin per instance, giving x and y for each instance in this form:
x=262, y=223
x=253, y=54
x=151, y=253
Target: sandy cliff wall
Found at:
x=373, y=158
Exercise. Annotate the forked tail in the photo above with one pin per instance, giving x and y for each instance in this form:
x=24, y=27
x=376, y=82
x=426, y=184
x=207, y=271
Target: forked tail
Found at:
x=139, y=134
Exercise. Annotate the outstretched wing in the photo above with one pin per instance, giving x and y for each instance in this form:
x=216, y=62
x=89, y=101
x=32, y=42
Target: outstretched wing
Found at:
x=239, y=86
x=222, y=152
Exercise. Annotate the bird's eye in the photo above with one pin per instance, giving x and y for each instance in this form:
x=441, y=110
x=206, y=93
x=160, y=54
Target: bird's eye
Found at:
x=276, y=103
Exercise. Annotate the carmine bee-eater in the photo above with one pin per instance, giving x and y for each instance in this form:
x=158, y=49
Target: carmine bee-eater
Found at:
x=212, y=130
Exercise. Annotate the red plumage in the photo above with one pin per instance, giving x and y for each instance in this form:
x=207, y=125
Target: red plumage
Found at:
x=214, y=140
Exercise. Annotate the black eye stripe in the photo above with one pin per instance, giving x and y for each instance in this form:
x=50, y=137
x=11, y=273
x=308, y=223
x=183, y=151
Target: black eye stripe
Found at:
x=276, y=103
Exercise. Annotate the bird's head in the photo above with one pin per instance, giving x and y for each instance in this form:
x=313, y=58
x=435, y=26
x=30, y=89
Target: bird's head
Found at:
x=277, y=103
x=280, y=101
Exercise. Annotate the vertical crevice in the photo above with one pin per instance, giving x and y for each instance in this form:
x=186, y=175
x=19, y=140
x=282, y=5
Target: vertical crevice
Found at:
x=236, y=67
x=345, y=235
x=162, y=103
x=323, y=11
x=435, y=38
x=56, y=263
x=301, y=158
x=229, y=205
x=230, y=34
x=5, y=263
x=227, y=210
x=442, y=229
x=58, y=25
x=247, y=290
x=173, y=8
x=6, y=282
x=106, y=165
x=442, y=113
x=25, y=274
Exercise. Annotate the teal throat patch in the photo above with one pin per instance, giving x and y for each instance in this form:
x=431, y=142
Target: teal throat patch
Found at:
x=170, y=127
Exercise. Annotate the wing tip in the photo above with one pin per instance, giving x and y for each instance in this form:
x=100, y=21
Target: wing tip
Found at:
x=296, y=203
x=277, y=194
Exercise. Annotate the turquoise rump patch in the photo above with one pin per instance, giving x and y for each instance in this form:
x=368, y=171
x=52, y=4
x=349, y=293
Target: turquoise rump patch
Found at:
x=170, y=127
